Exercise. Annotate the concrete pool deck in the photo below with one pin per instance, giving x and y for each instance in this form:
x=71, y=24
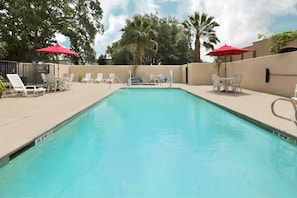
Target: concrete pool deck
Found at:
x=24, y=119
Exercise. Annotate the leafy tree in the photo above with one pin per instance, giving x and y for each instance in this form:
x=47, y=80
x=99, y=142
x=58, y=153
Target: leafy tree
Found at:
x=202, y=28
x=102, y=60
x=173, y=44
x=122, y=54
x=218, y=62
x=28, y=25
x=282, y=39
x=3, y=51
x=139, y=30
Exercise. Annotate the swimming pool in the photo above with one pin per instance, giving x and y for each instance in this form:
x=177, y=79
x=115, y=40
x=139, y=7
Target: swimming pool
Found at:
x=154, y=143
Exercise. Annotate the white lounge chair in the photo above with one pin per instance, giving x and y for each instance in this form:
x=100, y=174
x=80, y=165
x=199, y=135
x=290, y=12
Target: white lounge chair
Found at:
x=19, y=87
x=87, y=78
x=152, y=78
x=110, y=79
x=99, y=78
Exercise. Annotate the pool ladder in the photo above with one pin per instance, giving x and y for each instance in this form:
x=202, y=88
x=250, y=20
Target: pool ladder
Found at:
x=292, y=101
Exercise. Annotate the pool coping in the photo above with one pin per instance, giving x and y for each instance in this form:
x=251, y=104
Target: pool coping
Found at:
x=281, y=134
x=41, y=135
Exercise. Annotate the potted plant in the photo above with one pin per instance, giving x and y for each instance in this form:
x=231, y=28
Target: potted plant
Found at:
x=2, y=85
x=79, y=78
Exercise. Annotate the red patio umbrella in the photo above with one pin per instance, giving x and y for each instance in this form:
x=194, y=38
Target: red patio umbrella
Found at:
x=56, y=49
x=227, y=50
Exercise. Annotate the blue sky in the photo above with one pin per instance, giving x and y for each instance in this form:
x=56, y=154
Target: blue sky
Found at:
x=240, y=20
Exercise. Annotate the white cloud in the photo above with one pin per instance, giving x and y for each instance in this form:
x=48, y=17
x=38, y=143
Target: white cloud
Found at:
x=60, y=37
x=240, y=21
x=147, y=6
x=112, y=34
x=109, y=6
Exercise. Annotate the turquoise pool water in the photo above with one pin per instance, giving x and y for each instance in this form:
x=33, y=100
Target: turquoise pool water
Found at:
x=155, y=143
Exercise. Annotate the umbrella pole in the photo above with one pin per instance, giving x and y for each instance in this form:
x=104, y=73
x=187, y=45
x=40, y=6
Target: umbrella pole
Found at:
x=58, y=71
x=225, y=69
x=58, y=66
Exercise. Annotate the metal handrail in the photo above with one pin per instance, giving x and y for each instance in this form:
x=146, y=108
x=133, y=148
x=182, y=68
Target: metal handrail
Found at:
x=129, y=78
x=294, y=106
x=171, y=78
x=118, y=79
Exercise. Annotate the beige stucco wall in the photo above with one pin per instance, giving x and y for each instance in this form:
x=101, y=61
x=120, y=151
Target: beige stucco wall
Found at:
x=253, y=70
x=200, y=73
x=144, y=72
x=121, y=71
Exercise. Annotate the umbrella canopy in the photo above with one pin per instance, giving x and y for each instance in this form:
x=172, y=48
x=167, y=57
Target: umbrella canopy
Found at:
x=227, y=50
x=56, y=49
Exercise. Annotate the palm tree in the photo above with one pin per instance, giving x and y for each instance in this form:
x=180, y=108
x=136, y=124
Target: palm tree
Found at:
x=202, y=28
x=140, y=30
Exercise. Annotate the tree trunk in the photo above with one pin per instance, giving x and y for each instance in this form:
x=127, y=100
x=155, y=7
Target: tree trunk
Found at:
x=138, y=51
x=197, y=50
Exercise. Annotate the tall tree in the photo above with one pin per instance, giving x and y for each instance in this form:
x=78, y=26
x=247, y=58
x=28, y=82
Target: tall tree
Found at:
x=174, y=46
x=139, y=29
x=202, y=27
x=28, y=25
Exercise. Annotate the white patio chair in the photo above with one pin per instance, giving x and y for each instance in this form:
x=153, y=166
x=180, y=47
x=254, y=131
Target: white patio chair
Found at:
x=44, y=79
x=87, y=78
x=216, y=82
x=111, y=78
x=66, y=82
x=152, y=77
x=99, y=78
x=52, y=82
x=236, y=84
x=19, y=87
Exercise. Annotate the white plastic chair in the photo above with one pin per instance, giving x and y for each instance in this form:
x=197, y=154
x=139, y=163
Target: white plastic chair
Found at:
x=67, y=82
x=52, y=82
x=236, y=84
x=87, y=78
x=110, y=79
x=216, y=82
x=99, y=78
x=152, y=77
x=44, y=79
